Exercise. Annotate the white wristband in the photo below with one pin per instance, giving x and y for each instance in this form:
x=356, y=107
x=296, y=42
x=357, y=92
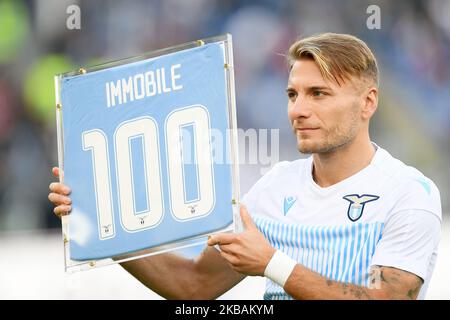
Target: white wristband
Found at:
x=279, y=268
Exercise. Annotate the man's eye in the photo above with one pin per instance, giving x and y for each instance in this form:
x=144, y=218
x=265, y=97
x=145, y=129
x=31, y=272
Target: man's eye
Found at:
x=318, y=93
x=291, y=95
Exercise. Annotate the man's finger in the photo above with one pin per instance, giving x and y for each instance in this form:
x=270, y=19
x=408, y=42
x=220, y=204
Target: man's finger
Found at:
x=59, y=199
x=60, y=188
x=56, y=172
x=228, y=248
x=229, y=257
x=246, y=219
x=62, y=210
x=221, y=238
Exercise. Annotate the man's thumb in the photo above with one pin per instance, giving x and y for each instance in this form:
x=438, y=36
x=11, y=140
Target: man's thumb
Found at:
x=246, y=218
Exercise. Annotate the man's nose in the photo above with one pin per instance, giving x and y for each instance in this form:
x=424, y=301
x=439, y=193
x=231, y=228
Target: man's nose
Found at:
x=300, y=108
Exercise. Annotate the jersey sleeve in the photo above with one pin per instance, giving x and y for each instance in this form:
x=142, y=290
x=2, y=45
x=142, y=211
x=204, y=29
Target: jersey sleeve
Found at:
x=417, y=192
x=408, y=241
x=412, y=229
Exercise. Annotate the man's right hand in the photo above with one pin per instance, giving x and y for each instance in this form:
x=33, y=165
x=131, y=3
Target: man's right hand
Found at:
x=59, y=195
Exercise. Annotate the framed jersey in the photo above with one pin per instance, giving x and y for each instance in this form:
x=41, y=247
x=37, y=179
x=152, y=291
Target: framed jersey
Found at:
x=148, y=146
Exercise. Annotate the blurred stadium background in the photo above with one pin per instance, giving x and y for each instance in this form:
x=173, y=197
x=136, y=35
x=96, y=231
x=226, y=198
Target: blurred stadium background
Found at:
x=412, y=122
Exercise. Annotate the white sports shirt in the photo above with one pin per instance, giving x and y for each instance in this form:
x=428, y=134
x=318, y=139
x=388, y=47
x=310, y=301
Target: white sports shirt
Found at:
x=387, y=214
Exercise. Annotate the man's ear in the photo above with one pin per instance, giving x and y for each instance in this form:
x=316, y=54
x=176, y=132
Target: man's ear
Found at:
x=370, y=102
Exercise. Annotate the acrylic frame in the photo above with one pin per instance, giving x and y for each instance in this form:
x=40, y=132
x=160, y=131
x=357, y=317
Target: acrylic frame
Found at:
x=236, y=226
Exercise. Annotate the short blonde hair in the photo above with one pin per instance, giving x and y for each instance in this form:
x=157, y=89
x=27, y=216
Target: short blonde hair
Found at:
x=338, y=56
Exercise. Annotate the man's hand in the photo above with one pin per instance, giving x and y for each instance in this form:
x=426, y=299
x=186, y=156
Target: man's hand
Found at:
x=247, y=252
x=59, y=195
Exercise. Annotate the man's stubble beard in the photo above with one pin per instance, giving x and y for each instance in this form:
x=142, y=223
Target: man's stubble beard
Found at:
x=339, y=137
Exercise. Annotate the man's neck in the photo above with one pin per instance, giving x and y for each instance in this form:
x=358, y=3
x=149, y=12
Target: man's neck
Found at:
x=333, y=167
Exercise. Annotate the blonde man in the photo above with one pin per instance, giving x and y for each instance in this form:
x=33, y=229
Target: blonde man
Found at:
x=349, y=222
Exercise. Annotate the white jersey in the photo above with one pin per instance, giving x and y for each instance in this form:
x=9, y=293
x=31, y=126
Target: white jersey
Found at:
x=387, y=214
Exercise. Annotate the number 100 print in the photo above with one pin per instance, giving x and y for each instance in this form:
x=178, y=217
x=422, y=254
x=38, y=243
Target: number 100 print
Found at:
x=145, y=130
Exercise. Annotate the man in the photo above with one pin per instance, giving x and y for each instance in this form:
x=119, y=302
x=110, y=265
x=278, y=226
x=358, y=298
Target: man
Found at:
x=349, y=222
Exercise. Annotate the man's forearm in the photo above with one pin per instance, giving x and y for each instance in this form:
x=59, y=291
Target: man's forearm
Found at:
x=306, y=284
x=169, y=275
x=175, y=277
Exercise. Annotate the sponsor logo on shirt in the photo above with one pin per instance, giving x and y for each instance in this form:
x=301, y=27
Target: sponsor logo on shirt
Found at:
x=288, y=203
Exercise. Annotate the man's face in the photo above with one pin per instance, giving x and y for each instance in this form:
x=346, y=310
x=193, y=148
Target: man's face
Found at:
x=324, y=115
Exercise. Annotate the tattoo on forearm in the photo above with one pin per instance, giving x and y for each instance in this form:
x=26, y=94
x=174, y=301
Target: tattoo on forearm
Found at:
x=376, y=276
x=357, y=292
x=395, y=281
x=345, y=288
x=395, y=284
x=412, y=293
x=360, y=293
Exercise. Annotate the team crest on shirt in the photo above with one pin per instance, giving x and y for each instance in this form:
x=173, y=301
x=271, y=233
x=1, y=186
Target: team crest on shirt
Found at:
x=357, y=203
